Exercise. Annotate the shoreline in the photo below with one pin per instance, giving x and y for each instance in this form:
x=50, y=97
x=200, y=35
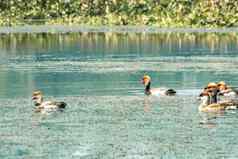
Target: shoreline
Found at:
x=108, y=29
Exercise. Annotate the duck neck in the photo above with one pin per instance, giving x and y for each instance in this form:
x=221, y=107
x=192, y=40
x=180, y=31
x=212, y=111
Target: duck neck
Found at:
x=213, y=97
x=147, y=88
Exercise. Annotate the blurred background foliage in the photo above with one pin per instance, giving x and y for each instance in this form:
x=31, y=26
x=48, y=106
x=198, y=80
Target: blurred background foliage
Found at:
x=162, y=13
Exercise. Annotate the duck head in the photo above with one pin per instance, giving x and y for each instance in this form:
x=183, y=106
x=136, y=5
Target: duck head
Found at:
x=206, y=90
x=37, y=97
x=212, y=86
x=146, y=81
x=222, y=86
x=209, y=96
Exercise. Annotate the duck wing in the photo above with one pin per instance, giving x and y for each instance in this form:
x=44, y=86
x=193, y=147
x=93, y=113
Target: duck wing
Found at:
x=53, y=105
x=163, y=91
x=170, y=92
x=61, y=105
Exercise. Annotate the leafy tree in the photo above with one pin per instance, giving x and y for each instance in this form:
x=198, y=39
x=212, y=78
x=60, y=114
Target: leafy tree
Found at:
x=163, y=13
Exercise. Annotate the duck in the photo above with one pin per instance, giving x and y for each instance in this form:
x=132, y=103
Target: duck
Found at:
x=226, y=91
x=210, y=104
x=212, y=88
x=146, y=81
x=46, y=106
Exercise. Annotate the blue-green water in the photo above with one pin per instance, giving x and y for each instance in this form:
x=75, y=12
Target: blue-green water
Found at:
x=108, y=116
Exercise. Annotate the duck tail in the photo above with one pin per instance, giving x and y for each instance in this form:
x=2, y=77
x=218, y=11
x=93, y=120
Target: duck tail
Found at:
x=61, y=105
x=170, y=92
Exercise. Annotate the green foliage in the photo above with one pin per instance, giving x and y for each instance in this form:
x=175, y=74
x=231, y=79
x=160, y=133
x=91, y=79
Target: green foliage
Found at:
x=163, y=13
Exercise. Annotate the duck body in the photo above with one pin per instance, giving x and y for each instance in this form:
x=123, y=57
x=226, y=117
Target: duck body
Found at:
x=211, y=108
x=50, y=106
x=227, y=91
x=215, y=107
x=229, y=94
x=46, y=106
x=210, y=104
x=161, y=91
x=146, y=80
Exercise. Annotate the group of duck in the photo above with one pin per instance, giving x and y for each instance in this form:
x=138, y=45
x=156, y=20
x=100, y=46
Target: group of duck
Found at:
x=218, y=97
x=214, y=97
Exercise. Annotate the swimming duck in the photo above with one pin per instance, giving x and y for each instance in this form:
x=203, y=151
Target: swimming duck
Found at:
x=146, y=80
x=213, y=89
x=46, y=106
x=225, y=90
x=210, y=104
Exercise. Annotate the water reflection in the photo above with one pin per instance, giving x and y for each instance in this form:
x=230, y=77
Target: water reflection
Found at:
x=209, y=120
x=119, y=44
x=147, y=104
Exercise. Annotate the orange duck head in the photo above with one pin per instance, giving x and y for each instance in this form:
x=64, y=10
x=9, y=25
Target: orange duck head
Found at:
x=146, y=80
x=222, y=86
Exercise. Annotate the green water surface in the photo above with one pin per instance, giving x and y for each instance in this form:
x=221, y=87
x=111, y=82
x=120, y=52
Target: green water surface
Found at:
x=108, y=116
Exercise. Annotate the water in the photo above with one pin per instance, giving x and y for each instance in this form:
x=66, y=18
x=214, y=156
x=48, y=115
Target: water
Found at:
x=108, y=116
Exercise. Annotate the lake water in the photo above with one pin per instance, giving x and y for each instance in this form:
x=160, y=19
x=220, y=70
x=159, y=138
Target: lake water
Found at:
x=108, y=116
